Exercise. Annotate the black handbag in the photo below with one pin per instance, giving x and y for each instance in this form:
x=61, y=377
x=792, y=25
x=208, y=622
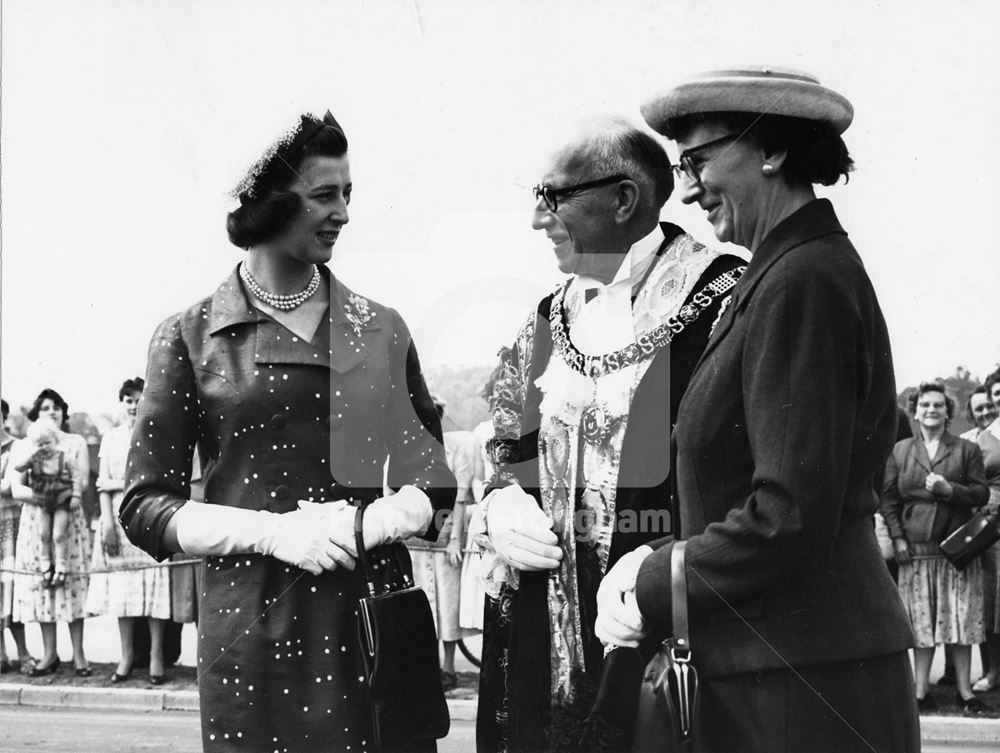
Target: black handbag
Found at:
x=668, y=698
x=398, y=650
x=969, y=541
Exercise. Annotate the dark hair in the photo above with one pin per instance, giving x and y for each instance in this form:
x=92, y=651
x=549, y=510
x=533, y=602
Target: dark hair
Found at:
x=266, y=206
x=934, y=386
x=991, y=380
x=130, y=386
x=5, y=408
x=50, y=394
x=981, y=390
x=815, y=151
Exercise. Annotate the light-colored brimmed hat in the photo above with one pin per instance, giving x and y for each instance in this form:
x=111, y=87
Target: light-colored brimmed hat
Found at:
x=754, y=89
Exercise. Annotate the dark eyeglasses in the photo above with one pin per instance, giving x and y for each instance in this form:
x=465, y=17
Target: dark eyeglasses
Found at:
x=548, y=193
x=686, y=166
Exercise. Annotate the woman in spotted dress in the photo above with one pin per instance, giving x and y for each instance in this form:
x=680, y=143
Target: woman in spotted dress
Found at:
x=296, y=392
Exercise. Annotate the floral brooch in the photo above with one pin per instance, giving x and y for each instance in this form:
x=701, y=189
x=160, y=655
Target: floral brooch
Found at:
x=358, y=313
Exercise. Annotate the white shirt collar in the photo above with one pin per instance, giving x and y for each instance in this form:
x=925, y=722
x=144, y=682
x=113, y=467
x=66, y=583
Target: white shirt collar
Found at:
x=634, y=266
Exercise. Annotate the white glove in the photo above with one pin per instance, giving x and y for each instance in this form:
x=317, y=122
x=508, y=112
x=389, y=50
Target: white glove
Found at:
x=619, y=621
x=520, y=532
x=406, y=513
x=292, y=537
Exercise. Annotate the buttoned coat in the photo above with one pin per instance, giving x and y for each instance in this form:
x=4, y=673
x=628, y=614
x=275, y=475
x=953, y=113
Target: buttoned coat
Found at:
x=276, y=419
x=920, y=516
x=789, y=414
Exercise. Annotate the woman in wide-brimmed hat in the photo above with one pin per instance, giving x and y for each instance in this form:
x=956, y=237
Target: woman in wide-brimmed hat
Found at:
x=796, y=628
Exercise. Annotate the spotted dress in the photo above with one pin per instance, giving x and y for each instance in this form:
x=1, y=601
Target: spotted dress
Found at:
x=33, y=602
x=276, y=419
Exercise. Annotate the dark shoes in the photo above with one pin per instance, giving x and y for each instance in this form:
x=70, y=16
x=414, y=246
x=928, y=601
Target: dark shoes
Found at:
x=926, y=704
x=157, y=679
x=38, y=671
x=84, y=671
x=117, y=678
x=972, y=706
x=449, y=681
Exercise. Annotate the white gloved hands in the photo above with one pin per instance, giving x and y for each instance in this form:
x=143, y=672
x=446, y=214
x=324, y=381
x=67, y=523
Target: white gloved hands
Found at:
x=406, y=513
x=521, y=533
x=619, y=621
x=292, y=537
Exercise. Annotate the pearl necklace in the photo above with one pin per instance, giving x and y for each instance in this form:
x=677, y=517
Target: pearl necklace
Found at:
x=280, y=302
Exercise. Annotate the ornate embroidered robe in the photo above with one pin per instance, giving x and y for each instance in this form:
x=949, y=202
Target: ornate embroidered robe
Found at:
x=594, y=449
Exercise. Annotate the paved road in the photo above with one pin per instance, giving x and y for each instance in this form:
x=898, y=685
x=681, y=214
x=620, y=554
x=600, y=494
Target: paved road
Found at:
x=27, y=730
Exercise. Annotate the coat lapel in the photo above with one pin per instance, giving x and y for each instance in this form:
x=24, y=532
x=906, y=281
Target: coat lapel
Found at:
x=352, y=320
x=919, y=452
x=945, y=447
x=811, y=221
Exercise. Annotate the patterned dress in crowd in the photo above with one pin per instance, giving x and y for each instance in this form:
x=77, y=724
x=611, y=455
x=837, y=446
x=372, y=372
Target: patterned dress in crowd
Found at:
x=10, y=517
x=33, y=602
x=141, y=588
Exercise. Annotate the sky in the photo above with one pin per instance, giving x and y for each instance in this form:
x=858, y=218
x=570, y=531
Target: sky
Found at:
x=124, y=125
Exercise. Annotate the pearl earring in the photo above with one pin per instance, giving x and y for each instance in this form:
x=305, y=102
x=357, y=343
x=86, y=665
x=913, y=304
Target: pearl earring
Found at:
x=767, y=169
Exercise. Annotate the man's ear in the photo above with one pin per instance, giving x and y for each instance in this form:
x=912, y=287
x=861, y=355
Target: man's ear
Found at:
x=772, y=162
x=627, y=197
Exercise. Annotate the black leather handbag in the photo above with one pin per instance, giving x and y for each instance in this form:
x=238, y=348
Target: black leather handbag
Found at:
x=398, y=650
x=668, y=698
x=969, y=541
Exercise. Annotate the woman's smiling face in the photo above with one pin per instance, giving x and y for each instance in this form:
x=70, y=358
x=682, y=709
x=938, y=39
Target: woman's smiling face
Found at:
x=730, y=185
x=932, y=410
x=324, y=188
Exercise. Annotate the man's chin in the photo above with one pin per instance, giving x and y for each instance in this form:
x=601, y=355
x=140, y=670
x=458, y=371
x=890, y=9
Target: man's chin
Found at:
x=566, y=260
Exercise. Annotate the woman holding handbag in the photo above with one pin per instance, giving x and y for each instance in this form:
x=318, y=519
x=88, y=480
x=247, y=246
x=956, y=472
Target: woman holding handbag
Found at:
x=296, y=393
x=798, y=637
x=933, y=483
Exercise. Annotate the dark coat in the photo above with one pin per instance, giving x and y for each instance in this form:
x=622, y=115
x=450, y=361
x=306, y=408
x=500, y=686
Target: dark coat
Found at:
x=277, y=419
x=787, y=418
x=515, y=695
x=912, y=512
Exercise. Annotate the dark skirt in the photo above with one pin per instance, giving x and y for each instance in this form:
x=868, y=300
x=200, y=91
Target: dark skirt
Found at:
x=863, y=705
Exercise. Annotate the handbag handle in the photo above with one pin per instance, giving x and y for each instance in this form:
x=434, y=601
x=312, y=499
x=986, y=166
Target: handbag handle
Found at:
x=366, y=567
x=359, y=543
x=678, y=597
